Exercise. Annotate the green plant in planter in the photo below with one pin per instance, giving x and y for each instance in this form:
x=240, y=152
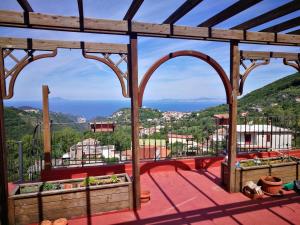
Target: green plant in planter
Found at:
x=90, y=181
x=50, y=186
x=29, y=189
x=114, y=179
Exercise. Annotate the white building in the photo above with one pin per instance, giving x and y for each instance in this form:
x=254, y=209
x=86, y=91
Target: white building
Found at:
x=263, y=137
x=91, y=149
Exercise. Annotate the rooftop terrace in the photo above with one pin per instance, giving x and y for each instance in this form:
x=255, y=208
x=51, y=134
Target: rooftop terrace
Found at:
x=196, y=197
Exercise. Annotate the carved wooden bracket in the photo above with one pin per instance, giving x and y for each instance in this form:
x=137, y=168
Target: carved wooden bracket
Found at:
x=254, y=63
x=115, y=66
x=293, y=63
x=9, y=76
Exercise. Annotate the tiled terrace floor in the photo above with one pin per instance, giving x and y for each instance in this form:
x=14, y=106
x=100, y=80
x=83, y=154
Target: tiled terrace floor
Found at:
x=192, y=197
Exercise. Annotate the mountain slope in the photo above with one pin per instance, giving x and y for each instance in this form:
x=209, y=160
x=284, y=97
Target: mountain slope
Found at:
x=19, y=122
x=281, y=97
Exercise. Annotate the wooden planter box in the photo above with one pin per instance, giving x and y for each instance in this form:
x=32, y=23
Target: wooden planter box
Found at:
x=68, y=203
x=287, y=171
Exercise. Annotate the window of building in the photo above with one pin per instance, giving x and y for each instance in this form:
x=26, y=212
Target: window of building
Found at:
x=247, y=138
x=268, y=137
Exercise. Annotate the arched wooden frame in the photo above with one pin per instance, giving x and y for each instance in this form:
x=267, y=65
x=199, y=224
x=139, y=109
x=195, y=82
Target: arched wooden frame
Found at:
x=121, y=76
x=31, y=58
x=196, y=54
x=254, y=64
x=293, y=63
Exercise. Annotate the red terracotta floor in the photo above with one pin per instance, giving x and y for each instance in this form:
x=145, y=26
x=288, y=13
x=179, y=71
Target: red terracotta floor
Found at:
x=192, y=197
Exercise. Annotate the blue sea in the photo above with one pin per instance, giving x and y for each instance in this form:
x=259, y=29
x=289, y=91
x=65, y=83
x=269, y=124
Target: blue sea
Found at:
x=93, y=108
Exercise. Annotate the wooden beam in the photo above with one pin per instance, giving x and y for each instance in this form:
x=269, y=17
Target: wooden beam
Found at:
x=294, y=32
x=35, y=44
x=267, y=55
x=134, y=7
x=133, y=90
x=3, y=161
x=283, y=26
x=232, y=10
x=25, y=5
x=67, y=23
x=181, y=11
x=268, y=16
x=232, y=142
x=81, y=15
x=46, y=126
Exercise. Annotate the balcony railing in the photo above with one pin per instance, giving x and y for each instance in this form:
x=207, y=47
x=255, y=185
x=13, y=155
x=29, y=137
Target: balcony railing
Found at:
x=81, y=144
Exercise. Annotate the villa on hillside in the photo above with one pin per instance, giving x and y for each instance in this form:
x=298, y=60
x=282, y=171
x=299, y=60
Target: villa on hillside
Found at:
x=90, y=149
x=147, y=152
x=151, y=130
x=258, y=137
x=221, y=119
x=102, y=127
x=263, y=137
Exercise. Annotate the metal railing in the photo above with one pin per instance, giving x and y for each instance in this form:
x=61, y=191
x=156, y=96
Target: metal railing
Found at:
x=25, y=157
x=80, y=144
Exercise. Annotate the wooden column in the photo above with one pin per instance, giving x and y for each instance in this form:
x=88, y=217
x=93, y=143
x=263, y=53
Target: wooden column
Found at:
x=234, y=76
x=133, y=91
x=46, y=125
x=3, y=162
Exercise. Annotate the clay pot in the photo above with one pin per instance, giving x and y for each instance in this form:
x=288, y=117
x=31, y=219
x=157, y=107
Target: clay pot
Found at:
x=46, y=222
x=145, y=196
x=68, y=186
x=61, y=221
x=271, y=185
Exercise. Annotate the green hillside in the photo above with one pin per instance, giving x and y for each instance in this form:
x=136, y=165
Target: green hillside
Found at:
x=280, y=98
x=19, y=122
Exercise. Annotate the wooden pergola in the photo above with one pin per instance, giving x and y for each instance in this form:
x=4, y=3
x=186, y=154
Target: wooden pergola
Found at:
x=273, y=35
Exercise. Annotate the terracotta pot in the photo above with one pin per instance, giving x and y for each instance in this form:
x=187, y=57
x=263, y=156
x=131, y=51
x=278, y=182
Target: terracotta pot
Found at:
x=61, y=221
x=68, y=186
x=145, y=196
x=271, y=185
x=46, y=222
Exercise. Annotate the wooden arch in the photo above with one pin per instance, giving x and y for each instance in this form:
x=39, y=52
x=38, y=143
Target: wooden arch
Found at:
x=9, y=76
x=121, y=76
x=263, y=58
x=196, y=54
x=20, y=67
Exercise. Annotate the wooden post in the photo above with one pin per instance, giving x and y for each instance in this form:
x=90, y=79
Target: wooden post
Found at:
x=3, y=162
x=133, y=91
x=234, y=76
x=46, y=123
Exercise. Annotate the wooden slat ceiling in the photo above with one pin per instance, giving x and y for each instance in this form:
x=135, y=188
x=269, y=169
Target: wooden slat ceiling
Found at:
x=134, y=7
x=182, y=11
x=270, y=15
x=229, y=12
x=283, y=26
x=25, y=5
x=188, y=32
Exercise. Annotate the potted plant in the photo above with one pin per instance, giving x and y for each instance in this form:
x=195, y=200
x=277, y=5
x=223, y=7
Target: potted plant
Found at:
x=271, y=185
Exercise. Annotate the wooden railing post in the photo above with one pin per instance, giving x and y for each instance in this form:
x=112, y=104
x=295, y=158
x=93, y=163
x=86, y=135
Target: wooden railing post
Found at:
x=3, y=162
x=133, y=91
x=234, y=76
x=46, y=125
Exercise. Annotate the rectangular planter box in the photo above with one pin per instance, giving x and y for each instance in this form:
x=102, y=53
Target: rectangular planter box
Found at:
x=81, y=201
x=287, y=171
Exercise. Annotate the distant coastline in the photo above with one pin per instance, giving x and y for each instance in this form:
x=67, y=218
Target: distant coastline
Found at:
x=104, y=108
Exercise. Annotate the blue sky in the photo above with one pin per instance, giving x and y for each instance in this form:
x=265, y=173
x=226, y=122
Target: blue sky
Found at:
x=71, y=76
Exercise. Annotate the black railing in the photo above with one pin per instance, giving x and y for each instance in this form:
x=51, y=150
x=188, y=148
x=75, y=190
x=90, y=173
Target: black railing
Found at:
x=25, y=157
x=83, y=144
